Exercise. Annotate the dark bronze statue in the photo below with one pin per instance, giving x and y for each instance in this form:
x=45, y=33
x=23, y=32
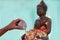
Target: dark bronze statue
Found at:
x=43, y=20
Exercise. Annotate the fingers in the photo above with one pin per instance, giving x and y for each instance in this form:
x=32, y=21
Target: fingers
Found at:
x=17, y=20
x=15, y=24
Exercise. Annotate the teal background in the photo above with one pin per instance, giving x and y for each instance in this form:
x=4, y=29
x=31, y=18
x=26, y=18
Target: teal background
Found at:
x=26, y=10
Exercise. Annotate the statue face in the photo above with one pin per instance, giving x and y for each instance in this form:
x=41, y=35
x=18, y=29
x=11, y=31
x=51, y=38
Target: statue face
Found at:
x=40, y=11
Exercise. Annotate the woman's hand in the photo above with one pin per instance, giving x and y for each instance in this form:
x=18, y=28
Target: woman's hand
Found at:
x=13, y=25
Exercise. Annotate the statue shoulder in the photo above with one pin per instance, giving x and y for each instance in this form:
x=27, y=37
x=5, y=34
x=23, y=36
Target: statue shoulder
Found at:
x=49, y=19
x=37, y=20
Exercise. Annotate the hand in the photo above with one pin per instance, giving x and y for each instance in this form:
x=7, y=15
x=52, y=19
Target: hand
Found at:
x=13, y=25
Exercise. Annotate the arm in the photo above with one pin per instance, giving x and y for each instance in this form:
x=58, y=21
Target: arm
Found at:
x=3, y=30
x=36, y=25
x=48, y=25
x=39, y=23
x=11, y=26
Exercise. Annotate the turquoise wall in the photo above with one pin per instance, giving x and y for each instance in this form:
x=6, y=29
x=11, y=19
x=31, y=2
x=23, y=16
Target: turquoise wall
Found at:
x=26, y=10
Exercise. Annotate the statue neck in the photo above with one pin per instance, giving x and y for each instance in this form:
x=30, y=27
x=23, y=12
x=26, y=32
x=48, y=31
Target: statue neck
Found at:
x=41, y=17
